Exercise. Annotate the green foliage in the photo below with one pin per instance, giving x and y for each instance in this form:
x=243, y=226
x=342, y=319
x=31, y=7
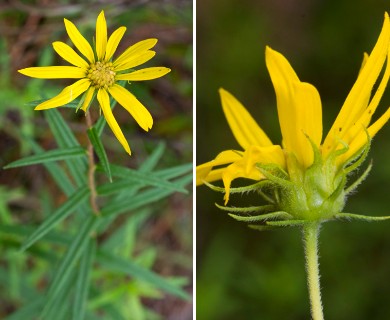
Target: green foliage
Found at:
x=82, y=261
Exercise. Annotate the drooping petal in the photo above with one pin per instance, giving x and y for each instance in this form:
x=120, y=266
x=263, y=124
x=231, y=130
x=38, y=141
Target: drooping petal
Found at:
x=246, y=167
x=127, y=100
x=213, y=175
x=238, y=170
x=204, y=170
x=113, y=42
x=136, y=49
x=299, y=108
x=135, y=60
x=244, y=127
x=54, y=72
x=144, y=74
x=68, y=54
x=104, y=101
x=79, y=41
x=88, y=97
x=67, y=95
x=354, y=105
x=101, y=36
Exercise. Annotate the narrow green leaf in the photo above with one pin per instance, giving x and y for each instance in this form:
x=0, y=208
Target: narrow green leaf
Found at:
x=144, y=178
x=66, y=139
x=126, y=184
x=155, y=157
x=56, y=306
x=76, y=248
x=125, y=266
x=99, y=125
x=83, y=281
x=141, y=199
x=61, y=131
x=352, y=216
x=60, y=214
x=174, y=172
x=48, y=156
x=56, y=172
x=22, y=230
x=101, y=153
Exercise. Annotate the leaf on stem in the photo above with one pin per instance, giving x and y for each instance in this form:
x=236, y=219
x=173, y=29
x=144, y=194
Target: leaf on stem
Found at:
x=60, y=214
x=99, y=149
x=117, y=264
x=83, y=281
x=48, y=156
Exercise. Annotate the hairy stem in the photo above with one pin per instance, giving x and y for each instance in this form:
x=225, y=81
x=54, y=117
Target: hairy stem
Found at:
x=310, y=240
x=91, y=170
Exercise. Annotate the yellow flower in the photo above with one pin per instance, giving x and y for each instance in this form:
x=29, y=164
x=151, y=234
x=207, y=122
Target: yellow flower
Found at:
x=99, y=75
x=309, y=172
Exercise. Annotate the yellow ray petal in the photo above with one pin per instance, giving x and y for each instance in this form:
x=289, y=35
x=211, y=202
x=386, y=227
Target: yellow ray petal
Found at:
x=54, y=72
x=246, y=167
x=354, y=105
x=136, y=49
x=307, y=104
x=133, y=106
x=365, y=118
x=101, y=36
x=144, y=74
x=213, y=175
x=79, y=41
x=67, y=95
x=283, y=77
x=88, y=98
x=68, y=54
x=135, y=60
x=113, y=42
x=244, y=127
x=238, y=170
x=104, y=102
x=204, y=170
x=299, y=108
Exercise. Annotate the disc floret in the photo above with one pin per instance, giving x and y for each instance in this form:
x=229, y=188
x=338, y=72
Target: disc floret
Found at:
x=101, y=74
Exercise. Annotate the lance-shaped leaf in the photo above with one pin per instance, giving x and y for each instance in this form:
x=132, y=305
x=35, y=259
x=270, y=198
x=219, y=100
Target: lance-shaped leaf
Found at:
x=66, y=139
x=83, y=281
x=145, y=178
x=60, y=214
x=141, y=199
x=48, y=156
x=99, y=149
x=125, y=184
x=76, y=248
x=125, y=266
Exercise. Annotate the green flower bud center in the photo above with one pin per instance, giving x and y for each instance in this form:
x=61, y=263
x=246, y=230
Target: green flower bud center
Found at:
x=101, y=74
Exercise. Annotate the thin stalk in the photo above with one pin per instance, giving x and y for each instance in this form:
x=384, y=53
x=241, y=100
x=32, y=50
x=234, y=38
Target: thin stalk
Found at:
x=91, y=170
x=310, y=241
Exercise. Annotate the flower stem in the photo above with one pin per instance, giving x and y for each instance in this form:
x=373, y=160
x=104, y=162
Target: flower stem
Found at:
x=91, y=170
x=310, y=240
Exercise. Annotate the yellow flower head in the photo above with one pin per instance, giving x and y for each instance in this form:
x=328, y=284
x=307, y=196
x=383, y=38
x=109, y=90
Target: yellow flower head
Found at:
x=99, y=73
x=309, y=173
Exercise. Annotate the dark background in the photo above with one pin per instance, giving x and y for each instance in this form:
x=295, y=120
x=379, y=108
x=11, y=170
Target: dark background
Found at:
x=246, y=274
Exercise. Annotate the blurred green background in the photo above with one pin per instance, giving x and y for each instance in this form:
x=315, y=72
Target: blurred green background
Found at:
x=27, y=29
x=245, y=274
